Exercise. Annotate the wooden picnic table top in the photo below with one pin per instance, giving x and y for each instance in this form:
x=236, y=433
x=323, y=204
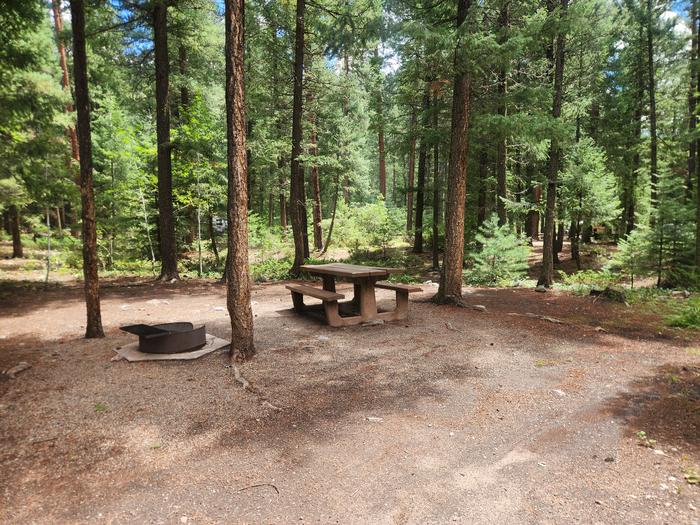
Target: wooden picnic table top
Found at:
x=346, y=270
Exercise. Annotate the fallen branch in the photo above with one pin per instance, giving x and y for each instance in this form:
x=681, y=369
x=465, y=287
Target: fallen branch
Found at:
x=19, y=367
x=542, y=317
x=260, y=485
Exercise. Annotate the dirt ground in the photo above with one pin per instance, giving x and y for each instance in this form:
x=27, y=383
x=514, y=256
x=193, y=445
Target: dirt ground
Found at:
x=454, y=416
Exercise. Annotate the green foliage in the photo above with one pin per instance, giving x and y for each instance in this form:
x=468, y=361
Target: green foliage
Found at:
x=502, y=256
x=271, y=270
x=686, y=314
x=362, y=228
x=266, y=242
x=633, y=257
x=584, y=280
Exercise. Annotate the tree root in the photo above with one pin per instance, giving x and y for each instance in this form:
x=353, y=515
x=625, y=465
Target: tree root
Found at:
x=248, y=387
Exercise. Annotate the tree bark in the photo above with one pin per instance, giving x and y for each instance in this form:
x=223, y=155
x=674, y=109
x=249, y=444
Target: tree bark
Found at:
x=93, y=328
x=557, y=59
x=501, y=188
x=65, y=78
x=436, y=185
x=166, y=220
x=317, y=211
x=422, y=169
x=380, y=132
x=298, y=195
x=17, y=248
x=693, y=164
x=692, y=103
x=653, y=140
x=238, y=283
x=212, y=239
x=411, y=172
x=630, y=211
x=346, y=112
x=450, y=290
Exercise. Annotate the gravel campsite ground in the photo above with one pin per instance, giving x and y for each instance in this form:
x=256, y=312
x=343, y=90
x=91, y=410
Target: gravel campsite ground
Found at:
x=455, y=415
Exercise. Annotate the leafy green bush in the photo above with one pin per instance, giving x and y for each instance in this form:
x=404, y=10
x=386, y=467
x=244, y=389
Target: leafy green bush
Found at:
x=366, y=227
x=271, y=270
x=502, y=257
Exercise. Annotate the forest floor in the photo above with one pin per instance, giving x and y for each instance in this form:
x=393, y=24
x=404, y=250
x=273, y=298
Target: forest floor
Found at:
x=454, y=415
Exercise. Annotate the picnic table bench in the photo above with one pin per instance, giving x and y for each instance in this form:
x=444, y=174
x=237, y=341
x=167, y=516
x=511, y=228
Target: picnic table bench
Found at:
x=363, y=306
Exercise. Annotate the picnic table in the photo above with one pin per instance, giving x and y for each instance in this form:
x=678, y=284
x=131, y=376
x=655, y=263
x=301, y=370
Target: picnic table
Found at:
x=363, y=306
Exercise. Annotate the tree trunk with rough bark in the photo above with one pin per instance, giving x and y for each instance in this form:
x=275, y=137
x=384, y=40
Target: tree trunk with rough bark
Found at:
x=238, y=283
x=17, y=248
x=501, y=188
x=65, y=78
x=450, y=290
x=422, y=169
x=298, y=195
x=411, y=172
x=93, y=328
x=651, y=79
x=380, y=134
x=166, y=220
x=693, y=164
x=436, y=185
x=557, y=61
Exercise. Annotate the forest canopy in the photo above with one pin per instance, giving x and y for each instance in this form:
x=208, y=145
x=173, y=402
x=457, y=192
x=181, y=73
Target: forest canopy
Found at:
x=581, y=123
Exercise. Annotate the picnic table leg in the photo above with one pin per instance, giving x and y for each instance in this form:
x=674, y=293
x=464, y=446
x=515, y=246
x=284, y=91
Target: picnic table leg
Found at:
x=328, y=283
x=356, y=298
x=298, y=301
x=368, y=302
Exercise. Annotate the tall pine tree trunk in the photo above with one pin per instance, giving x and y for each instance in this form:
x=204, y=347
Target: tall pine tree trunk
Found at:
x=298, y=195
x=17, y=249
x=238, y=283
x=422, y=169
x=317, y=211
x=692, y=102
x=166, y=220
x=89, y=229
x=411, y=172
x=694, y=167
x=557, y=60
x=501, y=188
x=436, y=185
x=450, y=290
x=651, y=79
x=65, y=78
x=380, y=132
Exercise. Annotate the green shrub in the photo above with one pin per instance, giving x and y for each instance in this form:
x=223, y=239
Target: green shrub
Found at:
x=502, y=256
x=363, y=228
x=687, y=315
x=403, y=278
x=267, y=241
x=271, y=270
x=633, y=255
x=588, y=279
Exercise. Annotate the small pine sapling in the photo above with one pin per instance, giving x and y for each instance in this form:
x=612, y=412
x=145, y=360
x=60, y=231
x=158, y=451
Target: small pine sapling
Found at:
x=502, y=255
